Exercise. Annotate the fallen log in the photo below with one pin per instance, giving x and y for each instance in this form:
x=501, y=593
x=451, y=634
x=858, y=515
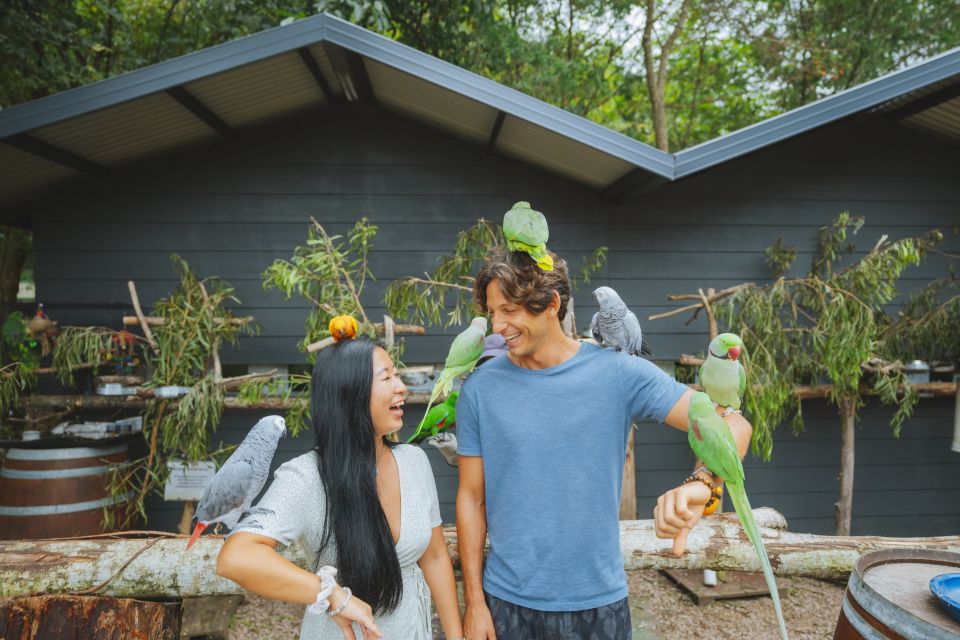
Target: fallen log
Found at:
x=162, y=568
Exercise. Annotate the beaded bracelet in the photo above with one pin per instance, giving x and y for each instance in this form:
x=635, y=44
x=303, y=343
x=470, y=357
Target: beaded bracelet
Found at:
x=716, y=492
x=327, y=585
x=343, y=605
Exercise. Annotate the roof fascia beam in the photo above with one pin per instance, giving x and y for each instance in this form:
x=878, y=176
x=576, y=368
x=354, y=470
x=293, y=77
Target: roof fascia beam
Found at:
x=317, y=73
x=495, y=131
x=200, y=110
x=926, y=102
x=52, y=153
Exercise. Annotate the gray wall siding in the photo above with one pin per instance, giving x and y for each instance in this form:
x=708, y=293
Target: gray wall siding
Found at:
x=232, y=208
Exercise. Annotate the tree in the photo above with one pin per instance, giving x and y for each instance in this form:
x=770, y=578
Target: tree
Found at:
x=807, y=49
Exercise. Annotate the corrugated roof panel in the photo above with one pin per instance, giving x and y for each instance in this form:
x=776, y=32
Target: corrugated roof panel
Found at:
x=535, y=144
x=273, y=88
x=943, y=119
x=22, y=172
x=430, y=103
x=110, y=136
x=327, y=68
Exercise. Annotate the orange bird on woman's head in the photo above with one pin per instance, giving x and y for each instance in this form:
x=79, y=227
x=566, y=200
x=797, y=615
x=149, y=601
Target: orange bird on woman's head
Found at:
x=341, y=327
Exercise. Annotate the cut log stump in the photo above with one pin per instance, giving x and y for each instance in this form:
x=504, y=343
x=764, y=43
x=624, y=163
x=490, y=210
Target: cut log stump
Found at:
x=87, y=618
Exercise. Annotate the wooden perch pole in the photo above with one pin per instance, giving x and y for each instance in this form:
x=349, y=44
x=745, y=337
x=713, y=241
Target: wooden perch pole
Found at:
x=157, y=321
x=140, y=318
x=162, y=568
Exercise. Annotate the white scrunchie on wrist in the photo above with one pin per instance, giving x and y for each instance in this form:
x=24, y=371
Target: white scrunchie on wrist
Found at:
x=327, y=585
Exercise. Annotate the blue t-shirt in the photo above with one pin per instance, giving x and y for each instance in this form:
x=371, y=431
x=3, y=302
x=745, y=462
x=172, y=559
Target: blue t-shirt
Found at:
x=553, y=443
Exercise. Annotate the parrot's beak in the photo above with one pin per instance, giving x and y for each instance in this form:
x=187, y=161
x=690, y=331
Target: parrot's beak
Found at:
x=733, y=352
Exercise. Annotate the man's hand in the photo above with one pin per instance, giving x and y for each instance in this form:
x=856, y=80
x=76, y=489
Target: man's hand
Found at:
x=478, y=623
x=678, y=510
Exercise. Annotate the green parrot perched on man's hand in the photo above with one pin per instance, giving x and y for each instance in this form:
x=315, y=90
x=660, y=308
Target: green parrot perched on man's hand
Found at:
x=712, y=442
x=721, y=374
x=464, y=353
x=526, y=230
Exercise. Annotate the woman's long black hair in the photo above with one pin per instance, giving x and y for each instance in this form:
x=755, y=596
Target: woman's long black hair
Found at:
x=340, y=411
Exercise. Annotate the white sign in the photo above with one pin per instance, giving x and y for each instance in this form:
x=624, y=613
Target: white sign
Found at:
x=187, y=480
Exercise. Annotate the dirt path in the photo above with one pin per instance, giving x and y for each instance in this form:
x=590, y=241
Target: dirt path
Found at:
x=660, y=612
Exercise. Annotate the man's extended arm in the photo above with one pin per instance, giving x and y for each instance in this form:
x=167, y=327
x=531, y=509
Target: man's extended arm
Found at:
x=679, y=509
x=471, y=539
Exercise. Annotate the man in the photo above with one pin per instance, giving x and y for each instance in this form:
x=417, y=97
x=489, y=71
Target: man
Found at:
x=542, y=440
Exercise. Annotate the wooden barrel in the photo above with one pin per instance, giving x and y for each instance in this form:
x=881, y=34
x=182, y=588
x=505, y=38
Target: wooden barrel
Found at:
x=888, y=597
x=55, y=493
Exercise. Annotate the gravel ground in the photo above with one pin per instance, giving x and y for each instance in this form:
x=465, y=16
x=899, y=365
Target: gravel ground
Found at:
x=661, y=611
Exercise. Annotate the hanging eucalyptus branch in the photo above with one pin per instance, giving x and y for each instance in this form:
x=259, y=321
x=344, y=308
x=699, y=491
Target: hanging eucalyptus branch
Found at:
x=79, y=347
x=330, y=273
x=422, y=300
x=14, y=380
x=195, y=322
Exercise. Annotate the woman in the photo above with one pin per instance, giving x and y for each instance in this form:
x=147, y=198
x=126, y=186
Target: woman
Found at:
x=358, y=502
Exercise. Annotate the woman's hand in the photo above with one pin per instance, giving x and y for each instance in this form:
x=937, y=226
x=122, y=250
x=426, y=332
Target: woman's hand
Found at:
x=356, y=611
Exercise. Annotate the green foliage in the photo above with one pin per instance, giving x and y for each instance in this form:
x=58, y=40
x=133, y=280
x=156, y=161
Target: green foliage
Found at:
x=779, y=257
x=928, y=325
x=292, y=389
x=329, y=272
x=77, y=346
x=195, y=323
x=14, y=380
x=449, y=288
x=820, y=327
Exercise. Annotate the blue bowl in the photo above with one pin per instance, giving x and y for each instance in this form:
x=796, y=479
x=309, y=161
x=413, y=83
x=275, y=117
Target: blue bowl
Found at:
x=947, y=589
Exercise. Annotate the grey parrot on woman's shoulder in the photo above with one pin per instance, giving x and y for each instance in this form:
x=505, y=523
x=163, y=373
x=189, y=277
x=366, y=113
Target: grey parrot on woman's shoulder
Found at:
x=233, y=488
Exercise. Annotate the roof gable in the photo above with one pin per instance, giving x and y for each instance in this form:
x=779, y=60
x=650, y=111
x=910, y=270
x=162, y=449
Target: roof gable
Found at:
x=322, y=60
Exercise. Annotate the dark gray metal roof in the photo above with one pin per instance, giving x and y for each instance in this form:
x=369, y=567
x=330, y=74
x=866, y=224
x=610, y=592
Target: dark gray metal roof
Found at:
x=322, y=60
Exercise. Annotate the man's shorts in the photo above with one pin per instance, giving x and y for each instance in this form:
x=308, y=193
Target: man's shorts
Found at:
x=513, y=622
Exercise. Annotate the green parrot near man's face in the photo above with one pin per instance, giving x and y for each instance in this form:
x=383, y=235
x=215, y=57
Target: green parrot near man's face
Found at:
x=526, y=230
x=438, y=419
x=721, y=375
x=712, y=442
x=464, y=353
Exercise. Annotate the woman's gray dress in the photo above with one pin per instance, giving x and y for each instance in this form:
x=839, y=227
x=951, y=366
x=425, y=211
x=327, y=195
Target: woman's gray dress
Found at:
x=293, y=508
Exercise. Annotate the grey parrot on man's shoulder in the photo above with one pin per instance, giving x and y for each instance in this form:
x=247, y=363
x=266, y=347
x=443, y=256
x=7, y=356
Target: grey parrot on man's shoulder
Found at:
x=233, y=488
x=614, y=326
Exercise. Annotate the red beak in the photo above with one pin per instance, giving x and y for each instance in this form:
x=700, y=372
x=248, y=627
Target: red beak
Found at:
x=734, y=352
x=196, y=533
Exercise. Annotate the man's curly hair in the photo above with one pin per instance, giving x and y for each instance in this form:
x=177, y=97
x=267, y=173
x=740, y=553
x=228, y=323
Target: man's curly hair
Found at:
x=523, y=282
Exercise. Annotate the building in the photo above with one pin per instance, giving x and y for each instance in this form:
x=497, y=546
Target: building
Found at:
x=221, y=156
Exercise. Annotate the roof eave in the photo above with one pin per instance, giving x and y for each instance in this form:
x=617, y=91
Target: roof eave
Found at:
x=161, y=76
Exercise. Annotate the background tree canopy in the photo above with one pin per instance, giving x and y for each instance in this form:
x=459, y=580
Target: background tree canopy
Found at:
x=672, y=73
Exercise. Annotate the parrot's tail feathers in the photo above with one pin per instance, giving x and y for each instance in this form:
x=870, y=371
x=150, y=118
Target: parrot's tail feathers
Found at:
x=738, y=496
x=418, y=433
x=196, y=534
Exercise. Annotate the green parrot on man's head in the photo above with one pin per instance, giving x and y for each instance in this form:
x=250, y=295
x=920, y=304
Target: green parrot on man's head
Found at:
x=526, y=230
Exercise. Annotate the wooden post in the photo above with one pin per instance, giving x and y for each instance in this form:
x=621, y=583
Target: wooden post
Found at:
x=844, y=506
x=628, y=498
